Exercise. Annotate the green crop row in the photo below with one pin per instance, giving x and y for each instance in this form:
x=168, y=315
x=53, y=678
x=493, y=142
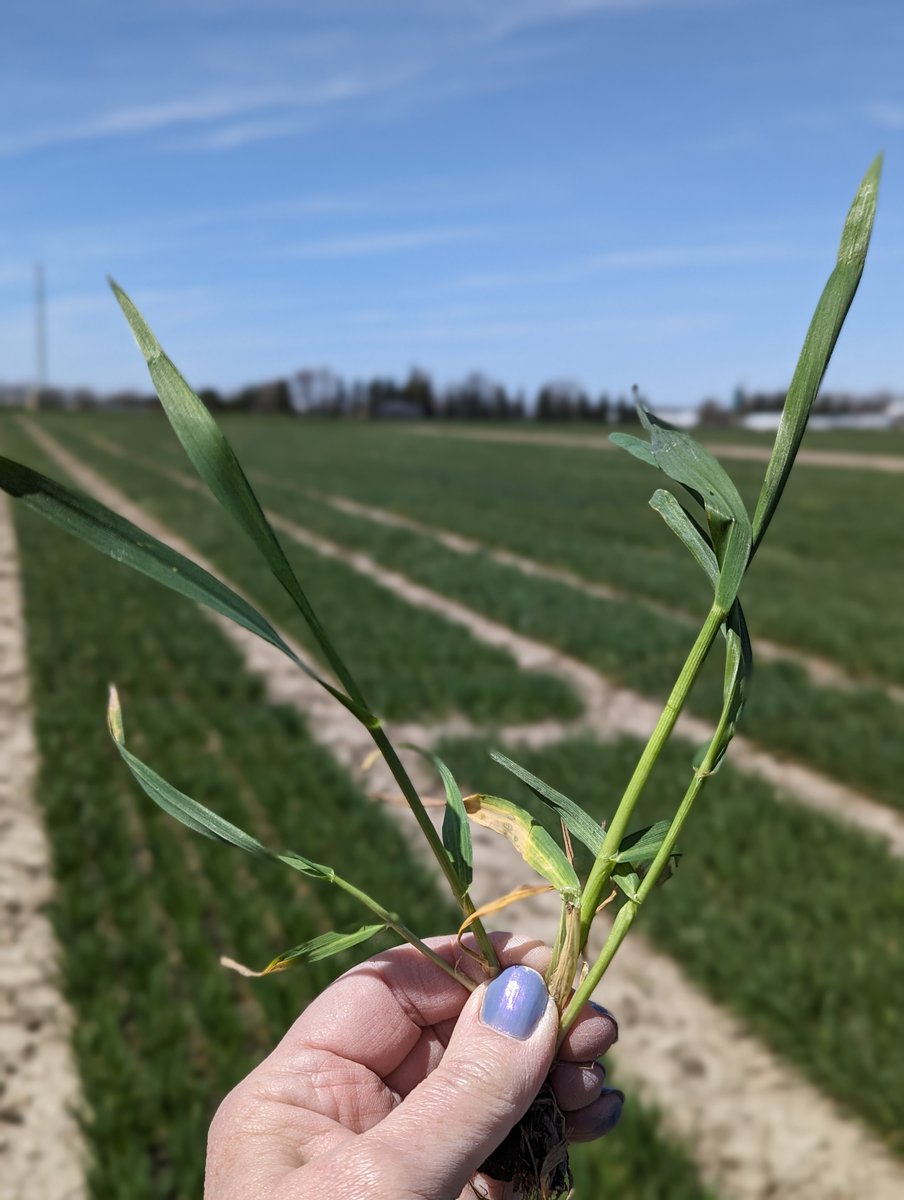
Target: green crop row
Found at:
x=788, y=919
x=143, y=908
x=853, y=736
x=413, y=663
x=587, y=512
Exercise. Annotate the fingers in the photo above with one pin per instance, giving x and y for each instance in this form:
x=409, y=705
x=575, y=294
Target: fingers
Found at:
x=497, y=1058
x=375, y=1013
x=467, y=1069
x=592, y=1035
x=591, y=1109
x=596, y=1119
x=575, y=1085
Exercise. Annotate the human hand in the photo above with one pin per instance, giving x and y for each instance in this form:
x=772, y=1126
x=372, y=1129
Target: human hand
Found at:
x=395, y=1083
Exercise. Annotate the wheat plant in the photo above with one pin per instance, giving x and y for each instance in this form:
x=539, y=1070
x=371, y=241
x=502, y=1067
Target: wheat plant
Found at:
x=707, y=515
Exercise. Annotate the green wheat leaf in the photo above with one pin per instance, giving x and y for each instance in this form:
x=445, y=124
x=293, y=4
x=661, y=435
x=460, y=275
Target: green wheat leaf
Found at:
x=456, y=828
x=174, y=802
x=690, y=464
x=100, y=527
x=579, y=823
x=686, y=529
x=643, y=845
x=216, y=463
x=819, y=343
x=323, y=946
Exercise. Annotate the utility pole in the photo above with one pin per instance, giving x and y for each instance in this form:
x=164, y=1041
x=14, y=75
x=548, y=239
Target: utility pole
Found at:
x=40, y=379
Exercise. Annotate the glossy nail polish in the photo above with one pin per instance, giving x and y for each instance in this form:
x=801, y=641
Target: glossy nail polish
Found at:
x=514, y=1002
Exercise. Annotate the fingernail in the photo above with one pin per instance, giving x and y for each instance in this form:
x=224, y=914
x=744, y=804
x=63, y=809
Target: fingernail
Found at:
x=604, y=1012
x=514, y=1002
x=612, y=1110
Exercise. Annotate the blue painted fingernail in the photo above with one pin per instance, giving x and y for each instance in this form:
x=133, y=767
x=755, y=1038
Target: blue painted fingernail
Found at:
x=514, y=1002
x=612, y=1110
x=604, y=1012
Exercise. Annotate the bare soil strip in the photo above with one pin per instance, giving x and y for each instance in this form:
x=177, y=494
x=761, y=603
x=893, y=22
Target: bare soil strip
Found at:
x=41, y=1149
x=757, y=1129
x=892, y=464
x=819, y=670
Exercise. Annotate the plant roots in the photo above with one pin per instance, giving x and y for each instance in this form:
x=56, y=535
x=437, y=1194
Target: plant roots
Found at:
x=534, y=1156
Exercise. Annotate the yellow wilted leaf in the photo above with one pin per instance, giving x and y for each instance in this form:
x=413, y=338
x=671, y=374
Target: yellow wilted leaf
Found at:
x=528, y=837
x=232, y=965
x=518, y=893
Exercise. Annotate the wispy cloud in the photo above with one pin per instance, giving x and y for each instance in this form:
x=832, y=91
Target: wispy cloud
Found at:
x=399, y=69
x=657, y=257
x=444, y=327
x=203, y=109
x=888, y=114
x=384, y=242
x=245, y=133
x=517, y=15
x=650, y=258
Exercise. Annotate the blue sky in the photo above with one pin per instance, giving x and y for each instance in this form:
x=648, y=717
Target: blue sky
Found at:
x=613, y=191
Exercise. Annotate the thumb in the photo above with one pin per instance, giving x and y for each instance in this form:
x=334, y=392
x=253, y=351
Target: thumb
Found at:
x=498, y=1056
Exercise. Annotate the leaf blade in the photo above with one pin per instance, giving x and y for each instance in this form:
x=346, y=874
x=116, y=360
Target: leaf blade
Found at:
x=216, y=462
x=456, y=828
x=643, y=845
x=635, y=446
x=819, y=343
x=186, y=810
x=325, y=945
x=578, y=822
x=529, y=838
x=687, y=531
x=693, y=466
x=690, y=464
x=99, y=527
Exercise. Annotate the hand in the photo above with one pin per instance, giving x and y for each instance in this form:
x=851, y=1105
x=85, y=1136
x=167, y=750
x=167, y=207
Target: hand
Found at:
x=395, y=1084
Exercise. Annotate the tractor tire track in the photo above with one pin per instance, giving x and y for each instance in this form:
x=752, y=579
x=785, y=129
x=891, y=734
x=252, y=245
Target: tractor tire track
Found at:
x=757, y=1129
x=41, y=1148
